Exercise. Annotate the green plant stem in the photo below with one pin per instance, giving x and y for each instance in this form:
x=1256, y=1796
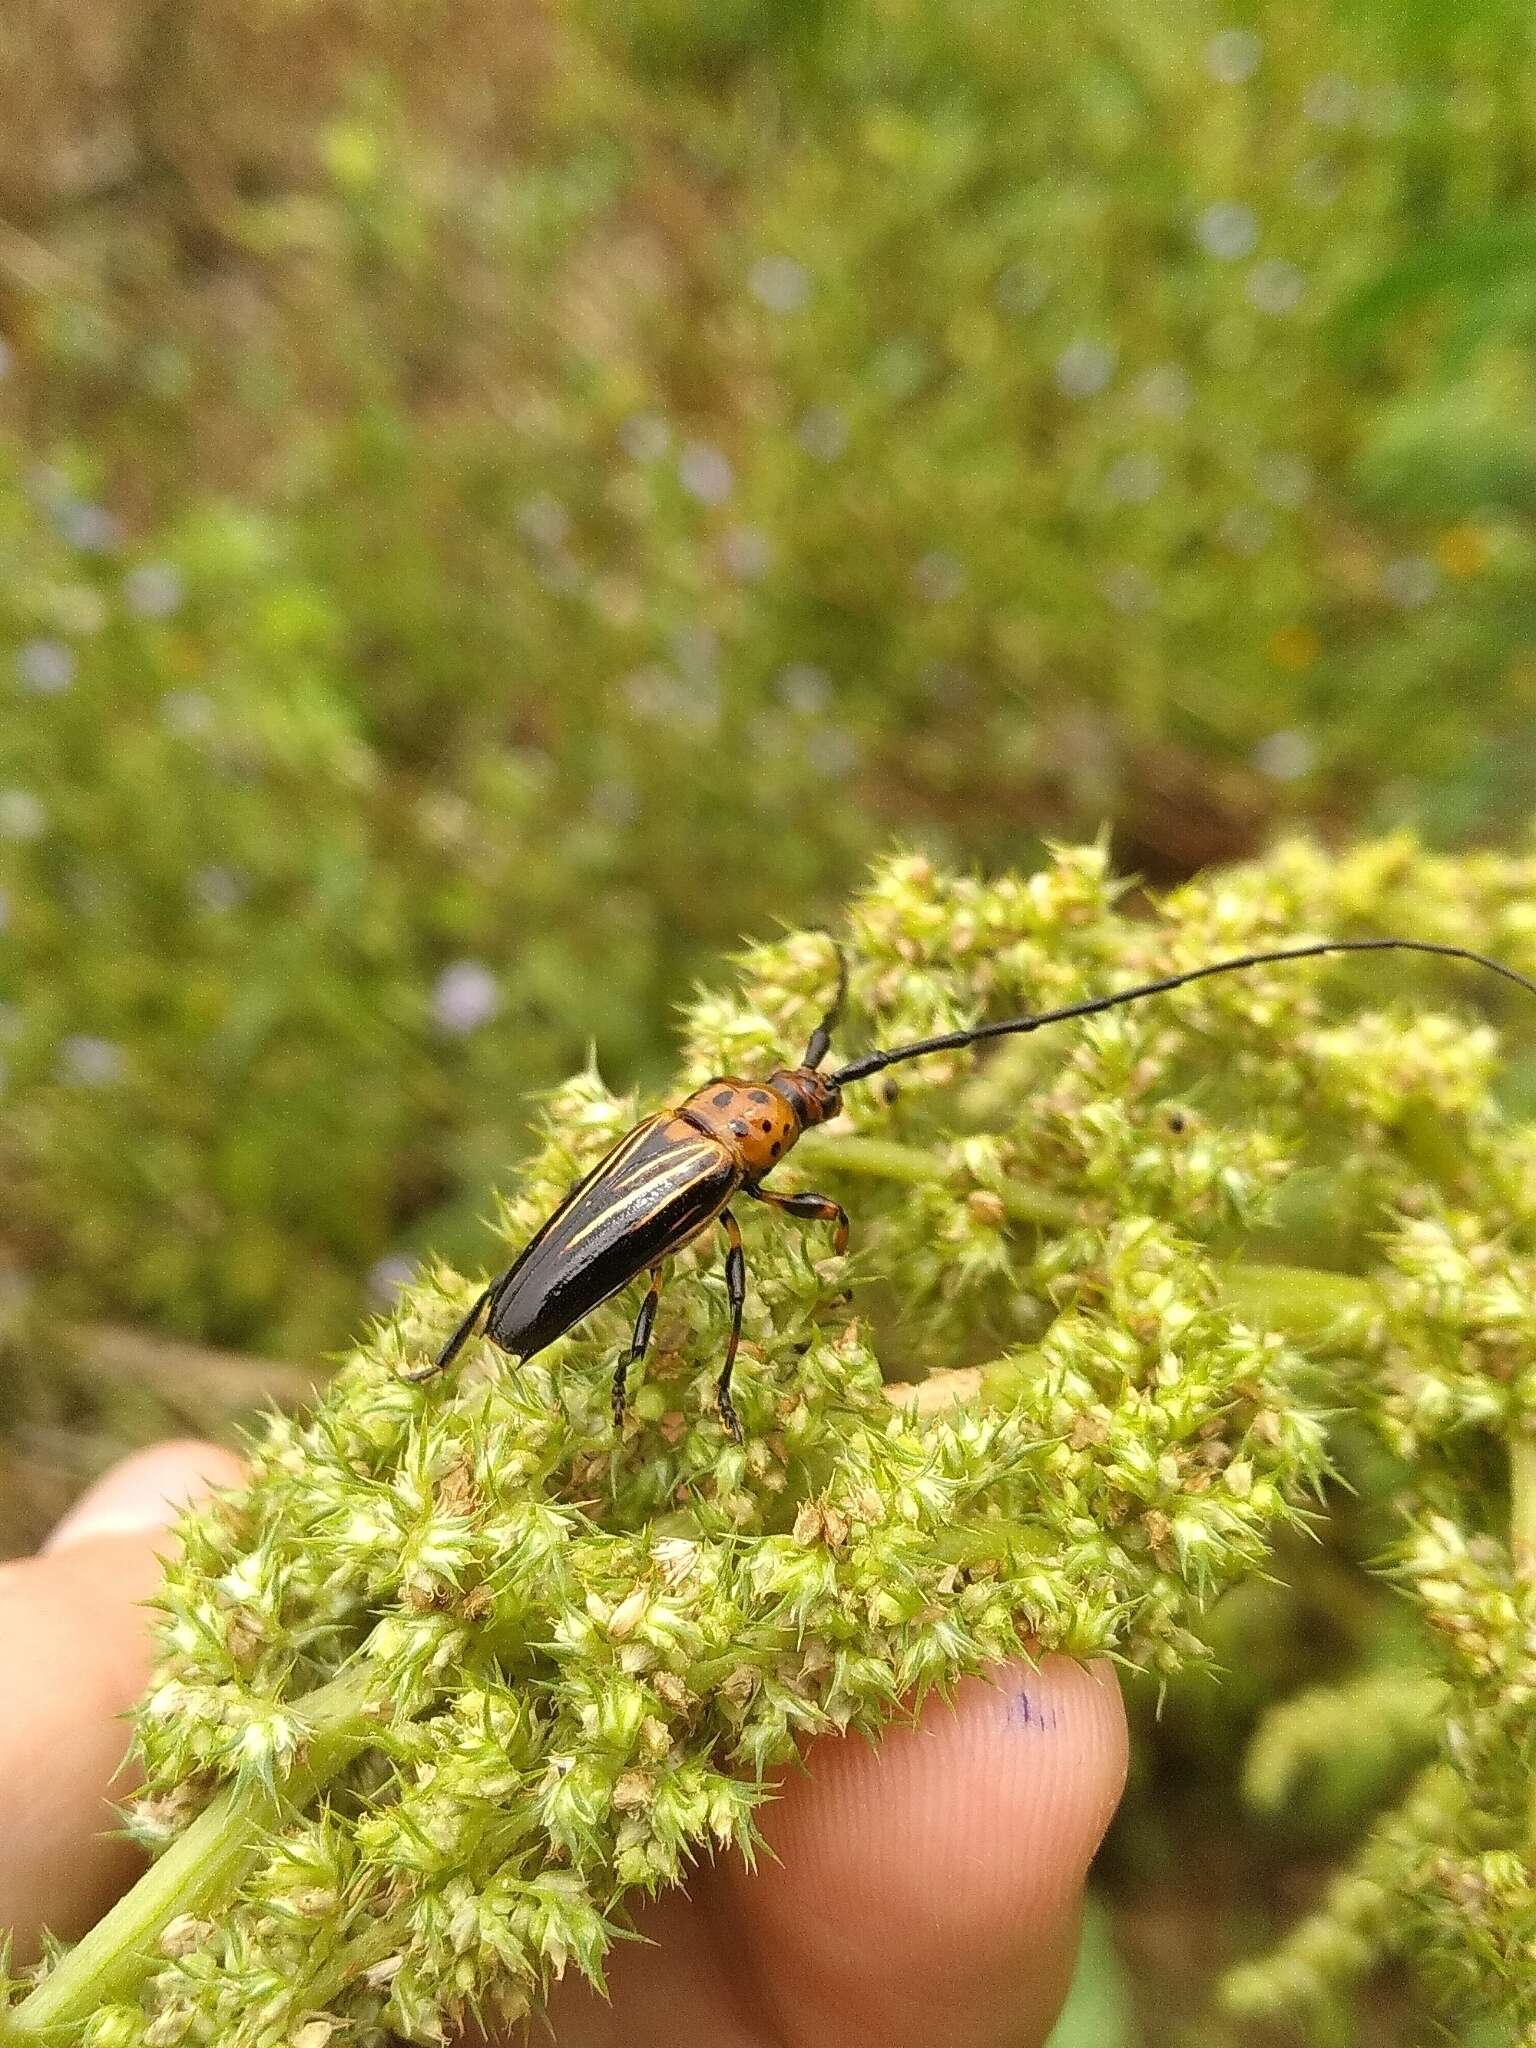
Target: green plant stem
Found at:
x=200, y=1870
x=883, y=1159
x=1522, y=1506
x=1522, y=1544
x=1324, y=1311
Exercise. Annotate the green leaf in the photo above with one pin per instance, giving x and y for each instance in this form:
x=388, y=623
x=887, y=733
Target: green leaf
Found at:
x=1098, y=2010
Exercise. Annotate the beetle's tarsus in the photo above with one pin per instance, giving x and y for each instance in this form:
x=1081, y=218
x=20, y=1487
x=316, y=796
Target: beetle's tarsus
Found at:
x=729, y=1416
x=455, y=1344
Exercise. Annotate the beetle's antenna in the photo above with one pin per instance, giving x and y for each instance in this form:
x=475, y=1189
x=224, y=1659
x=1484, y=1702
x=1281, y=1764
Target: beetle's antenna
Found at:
x=821, y=1037
x=955, y=1041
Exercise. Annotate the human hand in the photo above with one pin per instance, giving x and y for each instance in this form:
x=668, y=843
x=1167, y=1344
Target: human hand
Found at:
x=920, y=1894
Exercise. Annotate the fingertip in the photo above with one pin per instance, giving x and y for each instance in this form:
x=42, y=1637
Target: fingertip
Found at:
x=929, y=1889
x=78, y=1650
x=145, y=1492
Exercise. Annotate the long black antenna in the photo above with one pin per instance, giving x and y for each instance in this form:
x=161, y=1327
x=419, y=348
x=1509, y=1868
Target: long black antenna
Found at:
x=821, y=1037
x=956, y=1041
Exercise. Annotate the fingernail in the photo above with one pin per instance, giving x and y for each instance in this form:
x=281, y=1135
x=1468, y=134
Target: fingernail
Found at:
x=143, y=1493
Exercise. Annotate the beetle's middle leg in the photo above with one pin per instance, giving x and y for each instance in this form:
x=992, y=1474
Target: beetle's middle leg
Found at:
x=637, y=1346
x=819, y=1208
x=736, y=1295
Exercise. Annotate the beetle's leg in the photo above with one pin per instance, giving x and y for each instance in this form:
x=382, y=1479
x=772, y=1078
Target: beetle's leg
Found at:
x=820, y=1208
x=637, y=1346
x=456, y=1342
x=736, y=1295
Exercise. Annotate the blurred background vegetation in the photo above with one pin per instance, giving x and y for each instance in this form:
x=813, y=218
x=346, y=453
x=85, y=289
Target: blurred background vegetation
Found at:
x=499, y=501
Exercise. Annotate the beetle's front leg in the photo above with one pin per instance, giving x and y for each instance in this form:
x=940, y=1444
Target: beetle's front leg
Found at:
x=455, y=1344
x=637, y=1347
x=736, y=1295
x=819, y=1208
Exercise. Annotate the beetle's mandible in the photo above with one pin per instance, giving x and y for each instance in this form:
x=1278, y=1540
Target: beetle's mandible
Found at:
x=676, y=1173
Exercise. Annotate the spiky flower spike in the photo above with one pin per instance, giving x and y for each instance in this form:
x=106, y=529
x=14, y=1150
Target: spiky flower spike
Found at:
x=456, y=1677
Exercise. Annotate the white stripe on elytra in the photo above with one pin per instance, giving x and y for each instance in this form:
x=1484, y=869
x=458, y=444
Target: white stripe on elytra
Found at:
x=677, y=1168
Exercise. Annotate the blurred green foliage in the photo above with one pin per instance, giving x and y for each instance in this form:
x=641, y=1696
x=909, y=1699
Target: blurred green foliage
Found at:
x=497, y=503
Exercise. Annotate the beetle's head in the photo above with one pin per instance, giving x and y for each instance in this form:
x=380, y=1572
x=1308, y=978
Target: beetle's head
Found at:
x=813, y=1096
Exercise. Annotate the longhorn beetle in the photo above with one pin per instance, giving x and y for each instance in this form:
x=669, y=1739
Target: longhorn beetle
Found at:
x=675, y=1173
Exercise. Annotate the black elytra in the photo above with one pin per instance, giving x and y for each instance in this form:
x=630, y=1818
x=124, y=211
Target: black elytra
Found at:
x=677, y=1172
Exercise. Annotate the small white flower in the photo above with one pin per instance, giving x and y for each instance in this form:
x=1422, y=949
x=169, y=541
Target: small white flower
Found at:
x=780, y=283
x=153, y=590
x=90, y=528
x=1163, y=391
x=705, y=472
x=747, y=553
x=467, y=995
x=1276, y=287
x=1331, y=101
x=1285, y=480
x=831, y=751
x=93, y=1062
x=544, y=521
x=823, y=432
x=1134, y=478
x=1228, y=230
x=46, y=668
x=702, y=704
x=645, y=437
x=650, y=692
x=216, y=888
x=22, y=815
x=187, y=713
x=387, y=1276
x=48, y=484
x=1084, y=367
x=1232, y=57
x=939, y=576
x=1284, y=756
x=614, y=802
x=1410, y=581
x=805, y=689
